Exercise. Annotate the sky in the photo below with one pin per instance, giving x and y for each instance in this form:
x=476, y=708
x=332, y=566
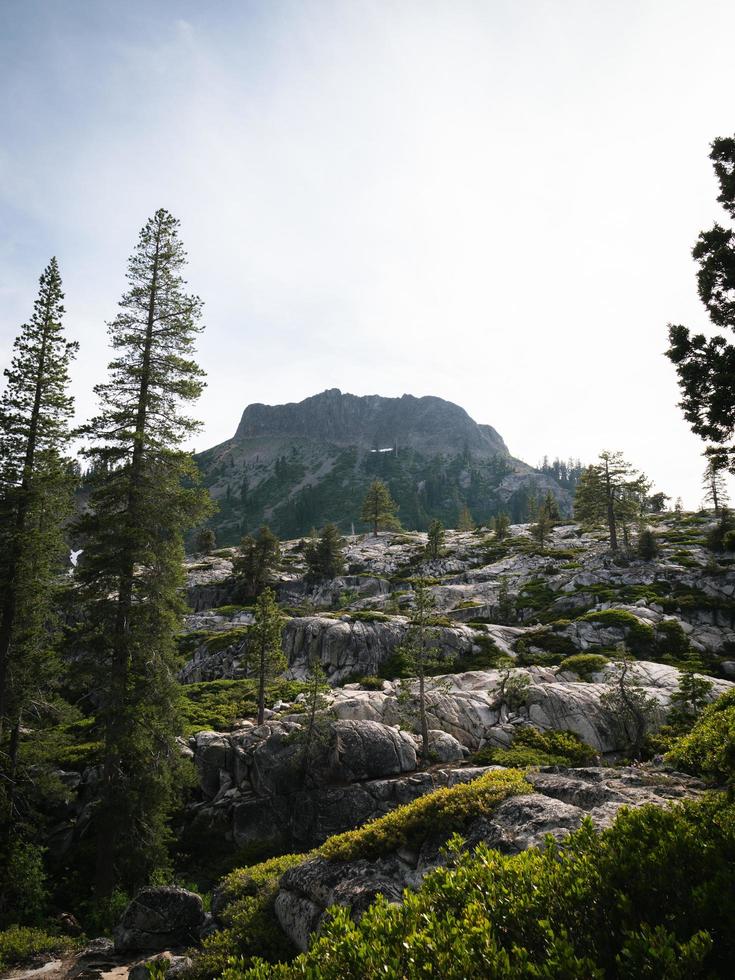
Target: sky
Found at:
x=493, y=202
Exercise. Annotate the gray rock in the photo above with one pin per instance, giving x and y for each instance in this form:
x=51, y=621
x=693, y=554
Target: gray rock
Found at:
x=159, y=918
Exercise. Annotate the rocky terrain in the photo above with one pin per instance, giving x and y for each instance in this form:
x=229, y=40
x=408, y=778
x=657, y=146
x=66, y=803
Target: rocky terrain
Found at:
x=303, y=464
x=574, y=598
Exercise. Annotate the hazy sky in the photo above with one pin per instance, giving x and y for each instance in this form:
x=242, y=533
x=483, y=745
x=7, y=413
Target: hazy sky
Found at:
x=493, y=202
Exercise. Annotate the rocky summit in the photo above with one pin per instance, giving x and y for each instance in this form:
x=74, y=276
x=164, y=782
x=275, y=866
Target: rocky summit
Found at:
x=302, y=464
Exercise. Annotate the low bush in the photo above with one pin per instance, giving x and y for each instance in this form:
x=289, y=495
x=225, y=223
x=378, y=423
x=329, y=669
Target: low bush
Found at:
x=639, y=635
x=584, y=664
x=245, y=907
x=443, y=812
x=214, y=705
x=709, y=748
x=22, y=944
x=371, y=683
x=531, y=747
x=652, y=897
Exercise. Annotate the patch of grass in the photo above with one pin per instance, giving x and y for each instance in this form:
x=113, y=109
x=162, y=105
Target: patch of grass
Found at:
x=441, y=813
x=233, y=610
x=639, y=635
x=21, y=944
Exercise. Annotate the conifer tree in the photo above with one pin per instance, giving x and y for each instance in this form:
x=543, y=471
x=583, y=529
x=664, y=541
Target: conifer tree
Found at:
x=611, y=492
x=379, y=510
x=704, y=364
x=35, y=500
x=420, y=655
x=542, y=528
x=551, y=506
x=325, y=557
x=466, y=521
x=435, y=539
x=264, y=653
x=500, y=524
x=713, y=482
x=206, y=541
x=130, y=572
x=258, y=562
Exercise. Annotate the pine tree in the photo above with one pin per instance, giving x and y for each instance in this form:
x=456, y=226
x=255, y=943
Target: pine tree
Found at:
x=264, y=655
x=206, y=541
x=435, y=539
x=542, y=528
x=420, y=655
x=704, y=365
x=258, y=562
x=325, y=557
x=379, y=510
x=130, y=572
x=611, y=492
x=647, y=544
x=500, y=524
x=35, y=499
x=551, y=506
x=465, y=521
x=713, y=482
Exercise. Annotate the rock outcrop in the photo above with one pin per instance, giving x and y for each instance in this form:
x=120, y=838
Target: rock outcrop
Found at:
x=160, y=918
x=562, y=799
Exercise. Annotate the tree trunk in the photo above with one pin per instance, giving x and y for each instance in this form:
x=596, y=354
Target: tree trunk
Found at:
x=610, y=495
x=10, y=604
x=116, y=719
x=422, y=717
x=261, y=689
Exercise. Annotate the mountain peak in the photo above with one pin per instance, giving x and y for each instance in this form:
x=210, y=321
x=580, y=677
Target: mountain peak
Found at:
x=427, y=424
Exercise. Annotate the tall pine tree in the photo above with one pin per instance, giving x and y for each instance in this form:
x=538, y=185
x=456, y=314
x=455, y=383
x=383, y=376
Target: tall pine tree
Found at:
x=144, y=497
x=35, y=500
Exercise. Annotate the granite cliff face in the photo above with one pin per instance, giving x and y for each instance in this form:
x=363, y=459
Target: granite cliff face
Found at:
x=429, y=425
x=305, y=463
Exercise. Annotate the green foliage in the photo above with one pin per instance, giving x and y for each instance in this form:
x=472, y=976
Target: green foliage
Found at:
x=264, y=653
x=532, y=747
x=379, y=509
x=325, y=557
x=206, y=541
x=631, y=713
x=246, y=900
x=647, y=545
x=718, y=537
x=130, y=574
x=704, y=364
x=654, y=896
x=500, y=525
x=371, y=683
x=222, y=639
x=214, y=705
x=368, y=616
x=435, y=539
x=709, y=749
x=512, y=689
x=24, y=889
x=639, y=635
x=257, y=564
x=465, y=521
x=584, y=664
x=22, y=944
x=442, y=812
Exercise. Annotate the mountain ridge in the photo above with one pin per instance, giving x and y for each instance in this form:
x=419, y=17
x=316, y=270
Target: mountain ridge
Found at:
x=304, y=463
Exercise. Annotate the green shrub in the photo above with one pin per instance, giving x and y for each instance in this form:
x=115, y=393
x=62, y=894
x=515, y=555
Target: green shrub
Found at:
x=233, y=610
x=246, y=910
x=709, y=749
x=441, y=812
x=371, y=683
x=640, y=635
x=214, y=705
x=584, y=664
x=368, y=616
x=19, y=944
x=652, y=897
x=226, y=638
x=531, y=747
x=24, y=891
